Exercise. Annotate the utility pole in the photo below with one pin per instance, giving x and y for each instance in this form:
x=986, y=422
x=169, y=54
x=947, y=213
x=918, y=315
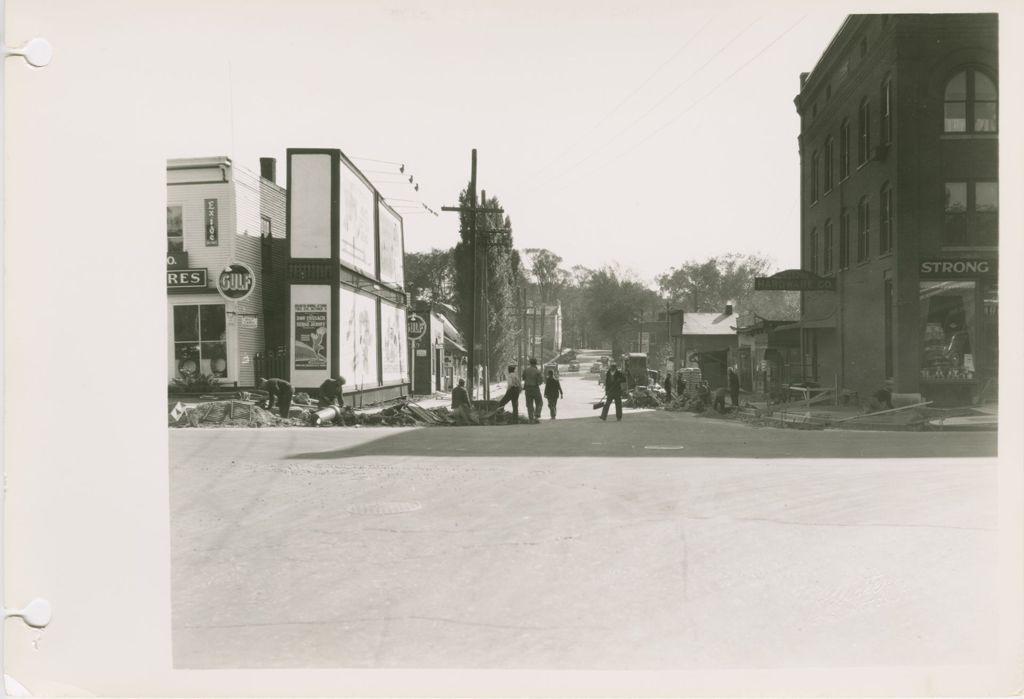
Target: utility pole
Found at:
x=472, y=210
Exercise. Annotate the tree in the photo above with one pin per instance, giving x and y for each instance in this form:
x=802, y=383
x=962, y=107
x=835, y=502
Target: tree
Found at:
x=708, y=286
x=613, y=303
x=501, y=265
x=430, y=276
x=546, y=273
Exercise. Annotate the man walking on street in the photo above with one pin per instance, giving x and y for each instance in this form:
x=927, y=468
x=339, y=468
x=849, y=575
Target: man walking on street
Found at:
x=511, y=393
x=614, y=381
x=552, y=391
x=532, y=379
x=668, y=386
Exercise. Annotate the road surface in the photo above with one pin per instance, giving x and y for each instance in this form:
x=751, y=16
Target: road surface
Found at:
x=666, y=541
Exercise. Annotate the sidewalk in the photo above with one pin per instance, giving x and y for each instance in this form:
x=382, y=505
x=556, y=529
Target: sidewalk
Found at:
x=854, y=417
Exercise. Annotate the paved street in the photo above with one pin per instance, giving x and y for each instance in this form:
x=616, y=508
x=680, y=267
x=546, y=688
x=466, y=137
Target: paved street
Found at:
x=658, y=542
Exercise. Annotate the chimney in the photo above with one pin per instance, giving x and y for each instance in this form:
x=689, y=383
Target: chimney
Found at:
x=728, y=309
x=268, y=169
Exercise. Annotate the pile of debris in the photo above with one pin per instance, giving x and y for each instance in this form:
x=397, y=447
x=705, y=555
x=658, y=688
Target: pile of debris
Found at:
x=646, y=397
x=225, y=413
x=243, y=411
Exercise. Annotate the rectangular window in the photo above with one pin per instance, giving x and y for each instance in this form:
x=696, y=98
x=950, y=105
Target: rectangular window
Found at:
x=844, y=150
x=954, y=229
x=814, y=176
x=864, y=133
x=885, y=214
x=844, y=240
x=813, y=252
x=200, y=341
x=826, y=249
x=886, y=112
x=265, y=227
x=947, y=330
x=863, y=230
x=985, y=228
x=829, y=164
x=175, y=231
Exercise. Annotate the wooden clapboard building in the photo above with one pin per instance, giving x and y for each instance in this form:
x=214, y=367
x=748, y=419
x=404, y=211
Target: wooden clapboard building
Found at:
x=225, y=269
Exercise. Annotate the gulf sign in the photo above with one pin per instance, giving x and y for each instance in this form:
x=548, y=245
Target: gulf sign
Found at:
x=236, y=282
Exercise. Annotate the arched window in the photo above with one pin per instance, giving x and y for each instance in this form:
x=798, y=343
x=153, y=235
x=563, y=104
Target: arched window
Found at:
x=829, y=164
x=885, y=220
x=813, y=252
x=864, y=132
x=971, y=103
x=885, y=112
x=826, y=248
x=844, y=150
x=815, y=167
x=844, y=239
x=863, y=229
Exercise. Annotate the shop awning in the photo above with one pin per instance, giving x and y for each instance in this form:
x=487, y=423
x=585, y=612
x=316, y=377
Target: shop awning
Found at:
x=452, y=346
x=813, y=324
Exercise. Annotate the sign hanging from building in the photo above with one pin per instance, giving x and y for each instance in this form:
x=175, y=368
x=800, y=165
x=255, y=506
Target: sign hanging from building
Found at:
x=794, y=280
x=311, y=336
x=415, y=327
x=186, y=279
x=210, y=221
x=236, y=282
x=957, y=268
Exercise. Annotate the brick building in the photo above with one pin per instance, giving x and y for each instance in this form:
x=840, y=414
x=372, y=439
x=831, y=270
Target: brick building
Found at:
x=899, y=202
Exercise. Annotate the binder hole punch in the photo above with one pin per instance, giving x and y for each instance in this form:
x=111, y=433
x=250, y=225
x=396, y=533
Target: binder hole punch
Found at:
x=35, y=614
x=37, y=52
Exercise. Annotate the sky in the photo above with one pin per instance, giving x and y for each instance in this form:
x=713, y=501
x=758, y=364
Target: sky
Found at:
x=640, y=134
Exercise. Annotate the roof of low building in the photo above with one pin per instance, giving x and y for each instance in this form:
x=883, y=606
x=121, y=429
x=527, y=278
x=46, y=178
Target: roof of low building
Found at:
x=709, y=324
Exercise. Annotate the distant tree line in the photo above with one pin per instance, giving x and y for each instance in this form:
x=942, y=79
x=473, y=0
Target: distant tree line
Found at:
x=600, y=307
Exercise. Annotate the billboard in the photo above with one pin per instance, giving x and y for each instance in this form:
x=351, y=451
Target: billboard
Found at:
x=359, y=339
x=310, y=205
x=311, y=335
x=394, y=359
x=391, y=263
x=356, y=200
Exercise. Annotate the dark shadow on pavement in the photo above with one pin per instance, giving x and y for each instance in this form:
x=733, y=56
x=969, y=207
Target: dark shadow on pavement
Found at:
x=664, y=434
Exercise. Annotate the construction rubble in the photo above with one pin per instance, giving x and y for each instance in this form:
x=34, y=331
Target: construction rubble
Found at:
x=243, y=410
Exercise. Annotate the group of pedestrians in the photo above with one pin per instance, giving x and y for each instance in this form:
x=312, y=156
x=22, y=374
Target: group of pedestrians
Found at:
x=536, y=388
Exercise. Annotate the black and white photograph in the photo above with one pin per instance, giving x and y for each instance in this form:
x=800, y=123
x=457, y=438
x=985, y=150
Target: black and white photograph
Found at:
x=549, y=339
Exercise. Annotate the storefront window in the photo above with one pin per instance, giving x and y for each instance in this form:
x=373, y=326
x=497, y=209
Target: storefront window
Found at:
x=990, y=330
x=948, y=330
x=200, y=340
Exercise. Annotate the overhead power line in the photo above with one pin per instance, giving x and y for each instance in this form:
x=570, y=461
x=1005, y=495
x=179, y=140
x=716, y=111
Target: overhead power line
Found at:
x=625, y=99
x=695, y=103
x=657, y=104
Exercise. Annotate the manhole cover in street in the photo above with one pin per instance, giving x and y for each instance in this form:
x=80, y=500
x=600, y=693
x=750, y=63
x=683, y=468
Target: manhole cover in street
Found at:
x=664, y=447
x=383, y=508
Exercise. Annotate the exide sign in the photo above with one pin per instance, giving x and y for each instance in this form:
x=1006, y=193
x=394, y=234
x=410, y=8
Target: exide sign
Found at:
x=236, y=282
x=957, y=268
